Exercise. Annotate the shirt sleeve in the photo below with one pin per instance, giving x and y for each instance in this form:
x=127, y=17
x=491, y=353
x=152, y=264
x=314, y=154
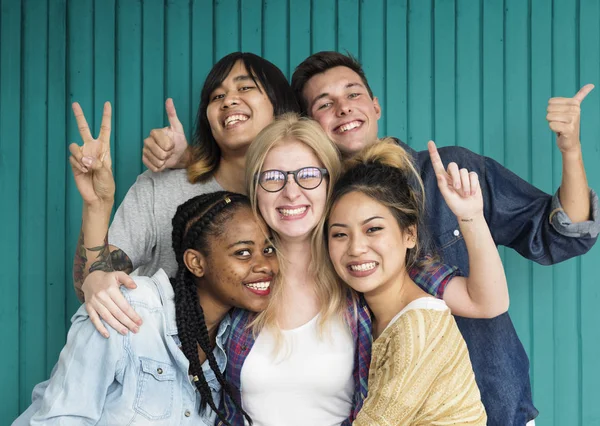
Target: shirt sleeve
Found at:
x=133, y=229
x=76, y=392
x=563, y=225
x=521, y=217
x=433, y=277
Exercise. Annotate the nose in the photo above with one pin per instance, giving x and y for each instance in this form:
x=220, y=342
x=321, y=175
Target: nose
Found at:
x=263, y=265
x=230, y=100
x=357, y=245
x=344, y=108
x=291, y=189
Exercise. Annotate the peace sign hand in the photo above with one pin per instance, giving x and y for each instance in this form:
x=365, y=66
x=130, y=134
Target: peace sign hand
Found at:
x=91, y=162
x=460, y=188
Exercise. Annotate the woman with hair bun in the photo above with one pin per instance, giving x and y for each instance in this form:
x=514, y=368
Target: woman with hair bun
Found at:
x=420, y=372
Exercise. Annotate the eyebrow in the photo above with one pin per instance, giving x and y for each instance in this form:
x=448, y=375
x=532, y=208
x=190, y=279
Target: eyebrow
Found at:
x=243, y=77
x=239, y=243
x=324, y=95
x=341, y=225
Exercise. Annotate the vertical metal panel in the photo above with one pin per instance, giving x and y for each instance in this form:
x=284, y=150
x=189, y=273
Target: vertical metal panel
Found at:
x=10, y=223
x=57, y=275
x=566, y=275
x=471, y=73
x=32, y=298
x=541, y=355
x=517, y=152
x=589, y=71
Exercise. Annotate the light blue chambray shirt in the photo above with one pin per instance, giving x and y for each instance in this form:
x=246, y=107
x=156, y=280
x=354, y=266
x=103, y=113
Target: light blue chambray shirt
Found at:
x=137, y=379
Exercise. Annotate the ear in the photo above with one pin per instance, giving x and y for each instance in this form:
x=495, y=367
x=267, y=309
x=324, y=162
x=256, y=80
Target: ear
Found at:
x=377, y=107
x=195, y=262
x=410, y=236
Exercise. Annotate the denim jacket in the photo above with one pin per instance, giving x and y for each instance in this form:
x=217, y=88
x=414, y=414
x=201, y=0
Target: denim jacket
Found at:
x=137, y=379
x=521, y=217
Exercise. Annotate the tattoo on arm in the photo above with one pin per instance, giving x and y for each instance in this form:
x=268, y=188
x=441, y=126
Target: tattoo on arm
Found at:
x=79, y=267
x=120, y=261
x=104, y=261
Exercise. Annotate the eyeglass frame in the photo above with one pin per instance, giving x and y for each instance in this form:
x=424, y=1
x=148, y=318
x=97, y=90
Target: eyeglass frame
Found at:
x=324, y=173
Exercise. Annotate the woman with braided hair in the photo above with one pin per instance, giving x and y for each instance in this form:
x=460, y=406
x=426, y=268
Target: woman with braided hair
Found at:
x=224, y=260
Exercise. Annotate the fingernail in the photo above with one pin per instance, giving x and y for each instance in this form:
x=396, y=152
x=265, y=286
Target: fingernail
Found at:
x=139, y=322
x=105, y=335
x=124, y=331
x=136, y=329
x=87, y=161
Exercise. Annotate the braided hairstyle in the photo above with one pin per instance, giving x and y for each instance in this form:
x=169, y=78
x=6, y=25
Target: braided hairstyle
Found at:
x=196, y=220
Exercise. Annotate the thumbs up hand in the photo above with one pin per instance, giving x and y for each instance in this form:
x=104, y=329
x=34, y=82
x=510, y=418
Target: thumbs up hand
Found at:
x=165, y=148
x=563, y=118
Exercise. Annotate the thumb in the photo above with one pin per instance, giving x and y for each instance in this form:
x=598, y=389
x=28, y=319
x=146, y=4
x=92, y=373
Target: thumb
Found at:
x=583, y=92
x=126, y=280
x=172, y=115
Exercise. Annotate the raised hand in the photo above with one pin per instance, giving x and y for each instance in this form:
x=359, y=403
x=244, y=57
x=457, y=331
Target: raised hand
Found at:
x=166, y=148
x=563, y=117
x=460, y=188
x=91, y=162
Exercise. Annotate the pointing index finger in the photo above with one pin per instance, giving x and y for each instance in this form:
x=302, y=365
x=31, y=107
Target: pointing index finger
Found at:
x=436, y=160
x=82, y=125
x=583, y=92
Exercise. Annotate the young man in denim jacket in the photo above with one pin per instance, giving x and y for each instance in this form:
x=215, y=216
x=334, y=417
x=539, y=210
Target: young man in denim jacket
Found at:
x=332, y=89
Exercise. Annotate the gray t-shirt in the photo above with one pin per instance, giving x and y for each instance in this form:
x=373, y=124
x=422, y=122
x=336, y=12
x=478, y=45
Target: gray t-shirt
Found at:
x=142, y=225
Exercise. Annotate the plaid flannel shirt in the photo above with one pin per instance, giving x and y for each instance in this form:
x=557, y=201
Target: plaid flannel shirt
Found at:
x=433, y=279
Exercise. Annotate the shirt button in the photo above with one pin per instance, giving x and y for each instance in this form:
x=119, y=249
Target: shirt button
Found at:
x=159, y=370
x=187, y=413
x=456, y=232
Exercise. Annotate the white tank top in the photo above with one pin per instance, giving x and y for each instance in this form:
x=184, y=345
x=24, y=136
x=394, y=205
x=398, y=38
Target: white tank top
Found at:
x=308, y=382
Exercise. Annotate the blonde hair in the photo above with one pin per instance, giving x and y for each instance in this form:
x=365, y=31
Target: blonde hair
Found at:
x=292, y=127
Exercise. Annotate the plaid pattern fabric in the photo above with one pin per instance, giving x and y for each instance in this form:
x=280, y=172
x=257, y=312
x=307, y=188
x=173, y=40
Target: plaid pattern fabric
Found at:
x=433, y=279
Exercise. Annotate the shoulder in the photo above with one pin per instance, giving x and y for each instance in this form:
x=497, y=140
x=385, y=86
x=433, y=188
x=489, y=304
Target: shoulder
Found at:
x=151, y=292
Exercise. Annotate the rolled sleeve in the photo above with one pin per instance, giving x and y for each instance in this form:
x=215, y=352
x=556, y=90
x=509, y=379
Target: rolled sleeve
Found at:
x=563, y=225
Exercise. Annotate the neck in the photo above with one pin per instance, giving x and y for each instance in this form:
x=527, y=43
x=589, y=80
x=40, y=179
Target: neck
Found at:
x=389, y=299
x=296, y=257
x=230, y=173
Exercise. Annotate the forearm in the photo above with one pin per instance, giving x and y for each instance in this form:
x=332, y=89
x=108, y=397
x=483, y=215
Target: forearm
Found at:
x=574, y=192
x=486, y=283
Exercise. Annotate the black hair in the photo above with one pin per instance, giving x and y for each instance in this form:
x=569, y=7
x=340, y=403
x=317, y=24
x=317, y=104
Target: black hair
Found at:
x=318, y=63
x=196, y=220
x=205, y=151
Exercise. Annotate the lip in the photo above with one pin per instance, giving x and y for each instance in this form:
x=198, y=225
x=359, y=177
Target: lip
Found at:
x=295, y=217
x=360, y=274
x=237, y=124
x=265, y=292
x=336, y=129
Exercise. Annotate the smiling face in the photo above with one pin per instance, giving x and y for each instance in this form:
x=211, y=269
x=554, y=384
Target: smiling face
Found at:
x=339, y=101
x=238, y=110
x=292, y=212
x=366, y=245
x=240, y=263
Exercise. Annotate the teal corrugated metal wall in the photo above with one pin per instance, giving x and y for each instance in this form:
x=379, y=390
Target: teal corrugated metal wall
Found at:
x=475, y=73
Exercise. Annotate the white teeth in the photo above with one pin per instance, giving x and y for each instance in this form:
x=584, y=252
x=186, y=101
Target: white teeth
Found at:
x=363, y=266
x=349, y=126
x=292, y=212
x=232, y=119
x=259, y=286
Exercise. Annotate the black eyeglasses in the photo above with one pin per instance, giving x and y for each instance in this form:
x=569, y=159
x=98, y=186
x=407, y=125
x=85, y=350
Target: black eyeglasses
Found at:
x=306, y=177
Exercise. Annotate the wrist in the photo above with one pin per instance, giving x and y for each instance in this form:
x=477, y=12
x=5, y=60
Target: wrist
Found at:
x=468, y=220
x=573, y=154
x=100, y=206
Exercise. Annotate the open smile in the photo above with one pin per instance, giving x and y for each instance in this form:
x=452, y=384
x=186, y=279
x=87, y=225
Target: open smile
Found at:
x=362, y=269
x=348, y=127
